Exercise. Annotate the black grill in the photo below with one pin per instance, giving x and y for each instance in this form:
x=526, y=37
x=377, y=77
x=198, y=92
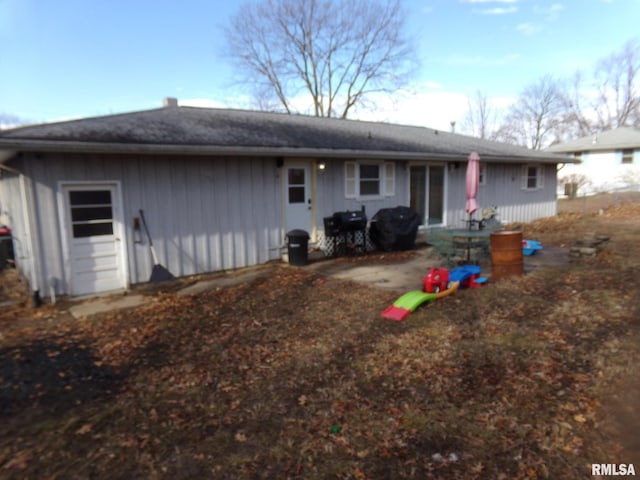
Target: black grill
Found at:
x=350, y=221
x=331, y=226
x=346, y=232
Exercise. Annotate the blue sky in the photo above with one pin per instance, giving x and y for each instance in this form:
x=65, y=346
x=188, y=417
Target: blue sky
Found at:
x=62, y=59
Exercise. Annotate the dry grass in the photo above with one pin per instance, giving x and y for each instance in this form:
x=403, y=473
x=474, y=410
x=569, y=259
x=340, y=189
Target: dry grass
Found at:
x=297, y=376
x=596, y=203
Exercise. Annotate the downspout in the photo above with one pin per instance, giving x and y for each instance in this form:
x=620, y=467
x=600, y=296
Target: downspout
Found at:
x=33, y=278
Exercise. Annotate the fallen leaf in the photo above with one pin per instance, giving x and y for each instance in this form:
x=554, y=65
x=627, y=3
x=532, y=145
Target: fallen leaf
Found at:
x=86, y=428
x=357, y=473
x=19, y=461
x=579, y=418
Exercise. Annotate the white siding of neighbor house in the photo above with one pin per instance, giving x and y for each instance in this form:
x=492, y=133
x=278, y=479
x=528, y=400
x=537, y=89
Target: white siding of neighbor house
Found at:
x=605, y=171
x=204, y=214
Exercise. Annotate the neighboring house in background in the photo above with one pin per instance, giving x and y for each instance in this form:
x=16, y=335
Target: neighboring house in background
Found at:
x=220, y=188
x=610, y=160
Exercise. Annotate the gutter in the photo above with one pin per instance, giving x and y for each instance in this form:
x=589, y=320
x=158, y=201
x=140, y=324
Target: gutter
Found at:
x=33, y=277
x=260, y=151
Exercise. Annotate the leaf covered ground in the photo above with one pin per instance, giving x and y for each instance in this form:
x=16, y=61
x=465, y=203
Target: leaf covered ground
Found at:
x=297, y=376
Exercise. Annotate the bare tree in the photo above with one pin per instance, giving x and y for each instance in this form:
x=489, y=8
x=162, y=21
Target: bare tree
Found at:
x=332, y=52
x=580, y=181
x=576, y=122
x=10, y=121
x=480, y=116
x=618, y=84
x=531, y=120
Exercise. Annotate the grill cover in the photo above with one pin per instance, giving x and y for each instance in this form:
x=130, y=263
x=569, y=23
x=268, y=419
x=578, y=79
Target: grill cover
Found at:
x=394, y=229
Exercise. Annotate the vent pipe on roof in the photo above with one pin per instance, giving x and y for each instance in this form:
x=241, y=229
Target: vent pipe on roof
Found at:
x=170, y=102
x=453, y=127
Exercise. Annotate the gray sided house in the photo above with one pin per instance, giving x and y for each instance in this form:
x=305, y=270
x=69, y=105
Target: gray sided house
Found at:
x=220, y=188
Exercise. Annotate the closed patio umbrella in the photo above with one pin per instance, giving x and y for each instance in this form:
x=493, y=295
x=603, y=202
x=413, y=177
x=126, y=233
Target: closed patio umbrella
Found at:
x=473, y=178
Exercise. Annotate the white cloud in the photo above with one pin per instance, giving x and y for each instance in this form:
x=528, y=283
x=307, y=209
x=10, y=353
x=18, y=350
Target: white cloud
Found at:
x=551, y=13
x=428, y=104
x=426, y=108
x=527, y=29
x=422, y=107
x=490, y=1
x=499, y=11
x=425, y=105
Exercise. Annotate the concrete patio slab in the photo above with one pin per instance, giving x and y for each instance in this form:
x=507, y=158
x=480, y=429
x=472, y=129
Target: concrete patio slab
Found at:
x=406, y=276
x=97, y=305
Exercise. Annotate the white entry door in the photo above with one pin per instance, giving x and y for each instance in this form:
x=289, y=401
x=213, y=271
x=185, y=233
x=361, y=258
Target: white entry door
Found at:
x=93, y=221
x=298, y=206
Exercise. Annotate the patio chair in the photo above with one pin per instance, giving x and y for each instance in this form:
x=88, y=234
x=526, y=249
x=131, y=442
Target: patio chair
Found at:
x=442, y=240
x=492, y=224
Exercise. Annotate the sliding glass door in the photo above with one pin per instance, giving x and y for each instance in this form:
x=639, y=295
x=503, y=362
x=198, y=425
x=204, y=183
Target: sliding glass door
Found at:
x=426, y=193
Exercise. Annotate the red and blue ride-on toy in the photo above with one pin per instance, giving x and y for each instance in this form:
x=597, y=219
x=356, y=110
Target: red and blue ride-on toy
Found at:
x=437, y=280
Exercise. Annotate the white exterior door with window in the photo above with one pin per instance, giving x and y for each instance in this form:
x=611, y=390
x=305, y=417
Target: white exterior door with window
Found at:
x=298, y=201
x=94, y=247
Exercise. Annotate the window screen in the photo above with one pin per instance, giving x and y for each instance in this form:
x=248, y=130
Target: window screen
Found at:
x=296, y=179
x=91, y=213
x=369, y=179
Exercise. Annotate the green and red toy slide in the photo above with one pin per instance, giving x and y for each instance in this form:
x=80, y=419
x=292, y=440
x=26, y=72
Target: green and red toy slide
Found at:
x=438, y=283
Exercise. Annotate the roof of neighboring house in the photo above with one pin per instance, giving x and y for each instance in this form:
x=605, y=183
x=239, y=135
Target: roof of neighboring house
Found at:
x=206, y=131
x=617, y=139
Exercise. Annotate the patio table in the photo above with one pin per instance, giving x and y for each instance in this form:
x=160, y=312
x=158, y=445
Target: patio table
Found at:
x=471, y=238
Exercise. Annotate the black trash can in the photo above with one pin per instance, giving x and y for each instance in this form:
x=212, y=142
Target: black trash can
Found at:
x=298, y=247
x=6, y=246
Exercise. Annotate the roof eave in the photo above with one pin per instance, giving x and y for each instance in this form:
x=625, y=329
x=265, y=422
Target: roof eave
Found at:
x=14, y=146
x=592, y=148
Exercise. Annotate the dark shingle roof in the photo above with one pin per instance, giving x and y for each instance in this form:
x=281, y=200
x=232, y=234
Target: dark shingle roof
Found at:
x=176, y=130
x=617, y=139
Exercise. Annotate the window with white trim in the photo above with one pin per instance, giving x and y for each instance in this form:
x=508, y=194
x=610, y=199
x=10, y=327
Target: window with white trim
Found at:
x=532, y=177
x=483, y=174
x=627, y=157
x=369, y=179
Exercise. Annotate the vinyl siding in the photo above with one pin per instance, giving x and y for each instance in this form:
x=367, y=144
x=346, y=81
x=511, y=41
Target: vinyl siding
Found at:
x=208, y=214
x=204, y=214
x=605, y=171
x=11, y=214
x=503, y=189
x=331, y=196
